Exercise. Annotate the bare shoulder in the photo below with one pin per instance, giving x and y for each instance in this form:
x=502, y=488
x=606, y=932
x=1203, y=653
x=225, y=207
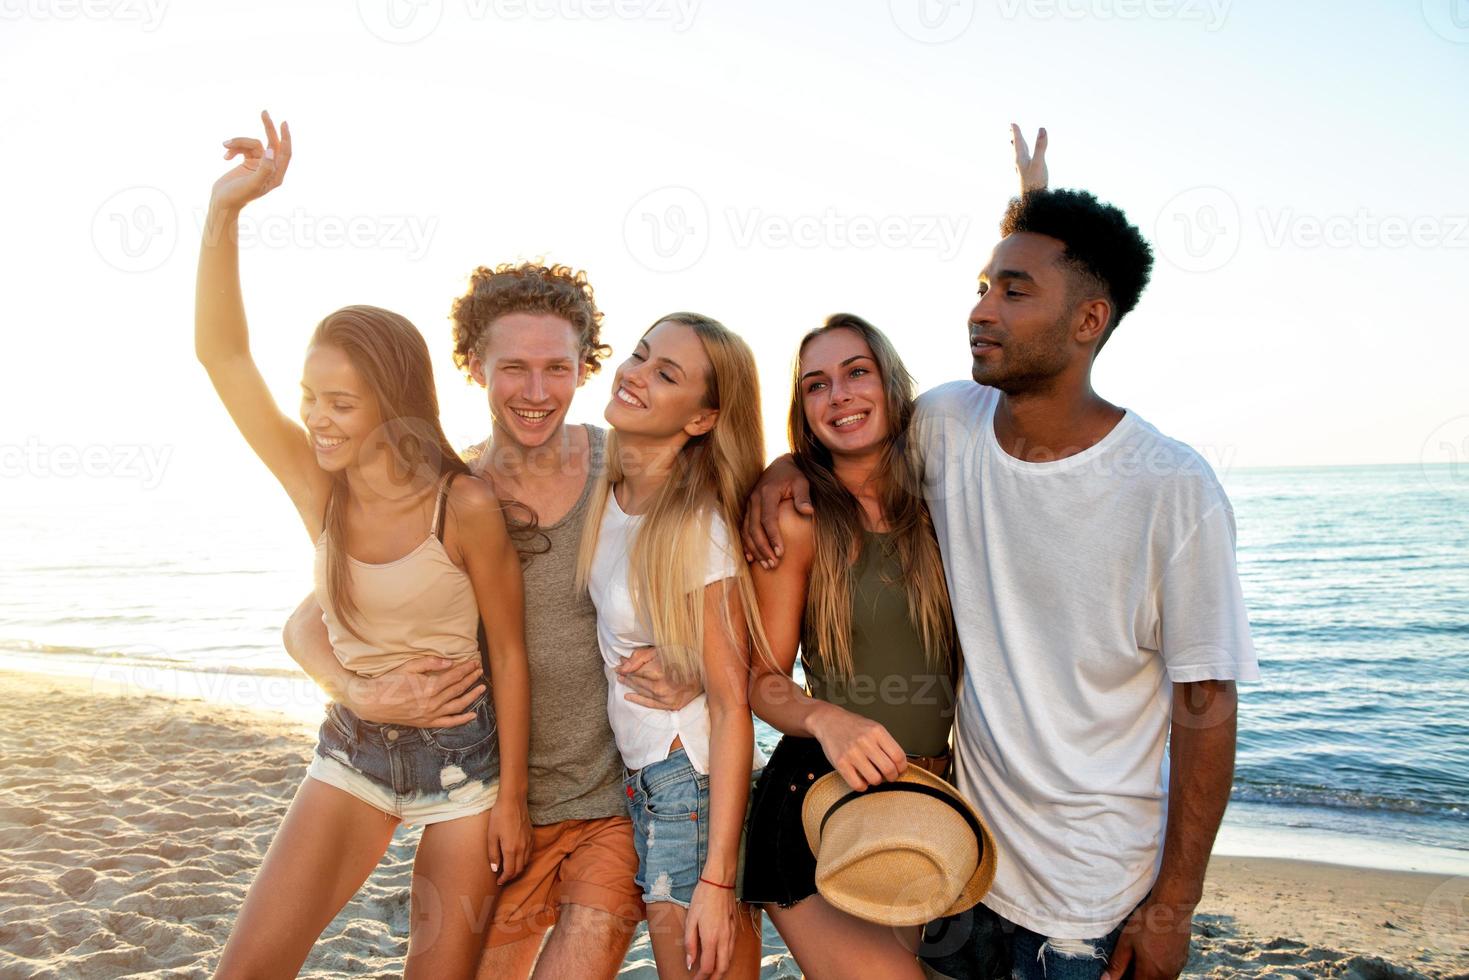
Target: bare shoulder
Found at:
x=472, y=498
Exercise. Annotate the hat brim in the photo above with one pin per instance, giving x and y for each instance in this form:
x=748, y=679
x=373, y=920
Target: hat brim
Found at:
x=827, y=790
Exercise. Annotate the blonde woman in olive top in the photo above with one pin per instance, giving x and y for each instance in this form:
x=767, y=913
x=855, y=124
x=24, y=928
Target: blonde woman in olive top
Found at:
x=861, y=589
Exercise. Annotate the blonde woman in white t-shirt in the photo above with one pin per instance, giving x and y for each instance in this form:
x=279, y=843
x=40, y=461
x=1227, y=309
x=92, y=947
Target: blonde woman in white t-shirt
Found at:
x=683, y=454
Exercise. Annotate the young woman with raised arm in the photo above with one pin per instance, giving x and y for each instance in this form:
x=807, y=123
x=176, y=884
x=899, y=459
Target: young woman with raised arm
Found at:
x=412, y=553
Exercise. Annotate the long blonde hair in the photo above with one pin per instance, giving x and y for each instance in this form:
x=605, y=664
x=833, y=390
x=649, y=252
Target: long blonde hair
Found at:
x=712, y=474
x=838, y=521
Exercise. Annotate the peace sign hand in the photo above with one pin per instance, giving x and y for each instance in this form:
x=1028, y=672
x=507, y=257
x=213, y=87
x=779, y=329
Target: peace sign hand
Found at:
x=1032, y=169
x=261, y=170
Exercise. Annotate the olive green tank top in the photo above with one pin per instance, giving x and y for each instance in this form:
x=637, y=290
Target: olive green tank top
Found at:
x=892, y=682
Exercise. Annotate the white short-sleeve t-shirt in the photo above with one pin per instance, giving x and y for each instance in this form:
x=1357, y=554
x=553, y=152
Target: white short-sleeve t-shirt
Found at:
x=644, y=734
x=1083, y=588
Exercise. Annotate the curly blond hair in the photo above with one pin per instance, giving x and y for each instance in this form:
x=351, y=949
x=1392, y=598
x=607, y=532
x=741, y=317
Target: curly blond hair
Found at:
x=530, y=287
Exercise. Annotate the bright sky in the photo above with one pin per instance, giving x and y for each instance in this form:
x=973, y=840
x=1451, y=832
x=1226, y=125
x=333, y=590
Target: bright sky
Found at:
x=1300, y=167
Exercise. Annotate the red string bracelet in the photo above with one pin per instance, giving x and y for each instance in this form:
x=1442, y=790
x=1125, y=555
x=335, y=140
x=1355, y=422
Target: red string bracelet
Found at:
x=715, y=883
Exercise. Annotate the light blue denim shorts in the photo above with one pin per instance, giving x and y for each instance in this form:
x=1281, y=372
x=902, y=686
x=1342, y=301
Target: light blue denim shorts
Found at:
x=669, y=805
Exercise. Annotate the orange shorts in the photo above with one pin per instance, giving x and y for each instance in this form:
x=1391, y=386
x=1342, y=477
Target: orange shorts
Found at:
x=584, y=862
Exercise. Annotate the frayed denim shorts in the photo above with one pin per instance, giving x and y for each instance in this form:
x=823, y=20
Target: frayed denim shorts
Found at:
x=669, y=805
x=419, y=775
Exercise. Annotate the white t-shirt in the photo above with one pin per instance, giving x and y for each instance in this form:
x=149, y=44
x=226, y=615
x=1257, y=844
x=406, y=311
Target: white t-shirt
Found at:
x=644, y=734
x=1082, y=588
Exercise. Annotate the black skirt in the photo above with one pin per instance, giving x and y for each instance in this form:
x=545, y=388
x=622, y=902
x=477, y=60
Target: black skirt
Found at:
x=779, y=866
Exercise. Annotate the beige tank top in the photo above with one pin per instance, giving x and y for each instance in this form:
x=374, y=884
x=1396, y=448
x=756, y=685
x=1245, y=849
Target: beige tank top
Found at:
x=419, y=605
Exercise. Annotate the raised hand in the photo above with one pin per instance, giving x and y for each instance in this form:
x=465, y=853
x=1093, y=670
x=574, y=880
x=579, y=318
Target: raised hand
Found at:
x=261, y=169
x=1032, y=168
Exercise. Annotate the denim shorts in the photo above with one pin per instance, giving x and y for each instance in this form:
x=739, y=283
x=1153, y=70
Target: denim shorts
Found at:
x=779, y=867
x=981, y=944
x=419, y=775
x=669, y=805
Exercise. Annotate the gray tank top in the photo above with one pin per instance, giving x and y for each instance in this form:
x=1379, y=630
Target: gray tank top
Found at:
x=575, y=772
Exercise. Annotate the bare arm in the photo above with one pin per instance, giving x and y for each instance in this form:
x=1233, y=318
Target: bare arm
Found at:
x=426, y=692
x=1201, y=772
x=489, y=557
x=863, y=751
x=305, y=639
x=222, y=339
x=709, y=931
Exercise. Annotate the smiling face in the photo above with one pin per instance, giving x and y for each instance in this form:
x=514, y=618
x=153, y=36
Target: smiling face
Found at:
x=340, y=412
x=1022, y=330
x=842, y=393
x=662, y=389
x=531, y=366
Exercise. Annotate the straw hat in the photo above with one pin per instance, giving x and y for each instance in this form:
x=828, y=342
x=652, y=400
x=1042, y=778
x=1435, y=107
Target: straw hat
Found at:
x=902, y=853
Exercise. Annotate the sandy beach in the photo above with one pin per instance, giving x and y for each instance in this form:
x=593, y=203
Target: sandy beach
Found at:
x=131, y=826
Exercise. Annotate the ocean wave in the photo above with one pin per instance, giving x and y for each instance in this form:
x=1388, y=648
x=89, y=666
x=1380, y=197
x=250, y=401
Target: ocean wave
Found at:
x=1345, y=799
x=152, y=658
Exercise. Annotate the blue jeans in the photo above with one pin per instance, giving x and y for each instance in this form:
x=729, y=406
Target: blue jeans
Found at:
x=983, y=945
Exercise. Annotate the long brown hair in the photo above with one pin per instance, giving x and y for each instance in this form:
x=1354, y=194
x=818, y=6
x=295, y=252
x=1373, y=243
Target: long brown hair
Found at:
x=712, y=474
x=393, y=360
x=838, y=521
